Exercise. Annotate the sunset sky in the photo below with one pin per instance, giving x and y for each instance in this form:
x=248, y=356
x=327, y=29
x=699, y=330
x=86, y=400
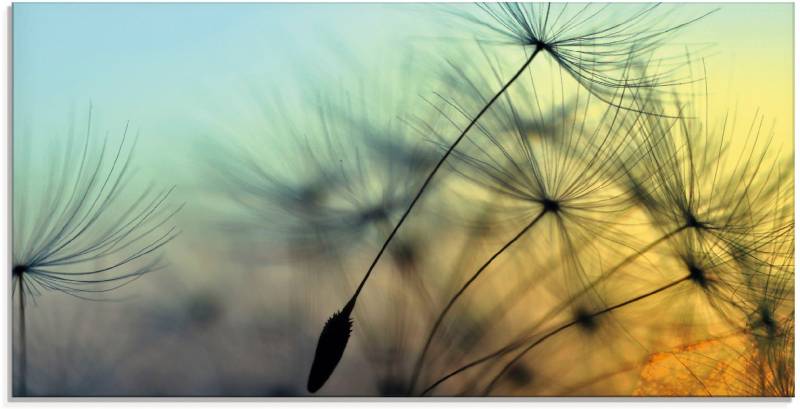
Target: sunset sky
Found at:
x=192, y=78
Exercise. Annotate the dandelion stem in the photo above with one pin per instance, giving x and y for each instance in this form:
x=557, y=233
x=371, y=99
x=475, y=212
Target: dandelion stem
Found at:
x=23, y=365
x=440, y=318
x=634, y=256
x=439, y=165
x=571, y=323
x=345, y=313
x=558, y=308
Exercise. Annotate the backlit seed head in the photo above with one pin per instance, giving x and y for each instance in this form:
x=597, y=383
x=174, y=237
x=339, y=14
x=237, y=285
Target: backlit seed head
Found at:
x=330, y=347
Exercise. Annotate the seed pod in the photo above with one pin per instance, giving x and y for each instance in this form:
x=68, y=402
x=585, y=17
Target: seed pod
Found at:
x=330, y=347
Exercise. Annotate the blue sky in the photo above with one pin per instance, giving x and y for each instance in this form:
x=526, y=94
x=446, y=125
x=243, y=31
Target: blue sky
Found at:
x=178, y=70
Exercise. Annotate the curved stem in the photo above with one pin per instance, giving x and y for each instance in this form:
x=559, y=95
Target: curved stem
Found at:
x=515, y=345
x=436, y=168
x=454, y=298
x=23, y=365
x=496, y=314
x=571, y=323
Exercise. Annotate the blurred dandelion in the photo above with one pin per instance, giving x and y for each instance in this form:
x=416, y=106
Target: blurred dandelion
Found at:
x=360, y=168
x=355, y=176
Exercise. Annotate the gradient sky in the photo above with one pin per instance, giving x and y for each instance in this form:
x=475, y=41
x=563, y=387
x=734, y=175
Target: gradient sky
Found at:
x=185, y=75
x=152, y=62
x=189, y=74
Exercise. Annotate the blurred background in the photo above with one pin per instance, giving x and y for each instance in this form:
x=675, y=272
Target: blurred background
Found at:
x=236, y=311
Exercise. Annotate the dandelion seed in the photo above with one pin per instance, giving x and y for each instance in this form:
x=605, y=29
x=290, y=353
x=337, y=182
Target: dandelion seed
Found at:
x=72, y=240
x=597, y=44
x=578, y=321
x=361, y=168
x=585, y=320
x=67, y=230
x=330, y=347
x=695, y=180
x=740, y=223
x=564, y=177
x=345, y=192
x=541, y=43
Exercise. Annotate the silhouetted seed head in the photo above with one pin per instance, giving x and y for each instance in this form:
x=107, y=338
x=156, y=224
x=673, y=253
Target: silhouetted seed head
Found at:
x=551, y=206
x=18, y=270
x=544, y=46
x=768, y=321
x=698, y=276
x=85, y=236
x=599, y=46
x=567, y=172
x=693, y=222
x=585, y=320
x=719, y=178
x=330, y=347
x=766, y=327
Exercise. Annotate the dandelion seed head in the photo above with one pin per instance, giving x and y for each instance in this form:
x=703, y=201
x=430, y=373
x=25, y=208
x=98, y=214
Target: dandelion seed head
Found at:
x=330, y=347
x=694, y=223
x=585, y=319
x=698, y=275
x=568, y=172
x=91, y=230
x=768, y=321
x=731, y=198
x=18, y=270
x=550, y=205
x=602, y=47
x=343, y=177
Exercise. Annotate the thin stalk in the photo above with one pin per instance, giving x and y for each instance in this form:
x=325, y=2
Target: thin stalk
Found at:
x=23, y=365
x=572, y=323
x=436, y=168
x=558, y=308
x=440, y=318
x=496, y=314
x=334, y=336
